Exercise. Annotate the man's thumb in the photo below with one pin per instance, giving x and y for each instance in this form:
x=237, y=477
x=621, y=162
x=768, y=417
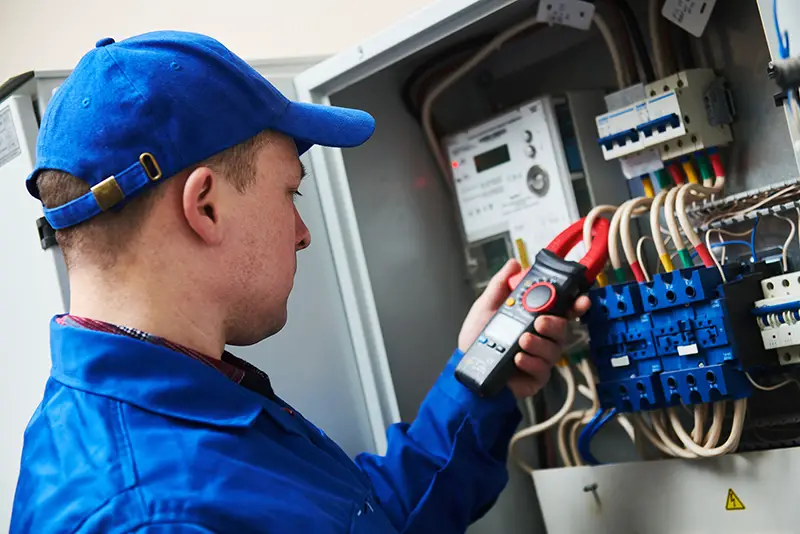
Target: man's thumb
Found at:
x=497, y=291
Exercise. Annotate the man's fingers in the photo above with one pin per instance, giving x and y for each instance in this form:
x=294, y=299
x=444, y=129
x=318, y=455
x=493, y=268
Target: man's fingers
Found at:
x=551, y=327
x=540, y=347
x=497, y=291
x=580, y=307
x=535, y=373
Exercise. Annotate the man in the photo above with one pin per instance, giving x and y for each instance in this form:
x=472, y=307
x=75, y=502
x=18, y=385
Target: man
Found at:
x=169, y=168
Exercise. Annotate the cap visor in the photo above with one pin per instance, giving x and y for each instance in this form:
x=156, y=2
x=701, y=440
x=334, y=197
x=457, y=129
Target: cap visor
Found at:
x=313, y=124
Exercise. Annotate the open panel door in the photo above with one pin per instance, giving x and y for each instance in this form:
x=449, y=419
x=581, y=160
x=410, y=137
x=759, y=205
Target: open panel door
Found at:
x=30, y=293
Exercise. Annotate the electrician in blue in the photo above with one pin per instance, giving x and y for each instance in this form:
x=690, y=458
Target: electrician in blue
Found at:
x=169, y=169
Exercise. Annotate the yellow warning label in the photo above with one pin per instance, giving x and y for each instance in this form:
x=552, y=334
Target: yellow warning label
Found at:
x=733, y=502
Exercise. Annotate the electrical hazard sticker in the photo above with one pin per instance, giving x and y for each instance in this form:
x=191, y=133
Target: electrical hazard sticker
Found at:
x=733, y=502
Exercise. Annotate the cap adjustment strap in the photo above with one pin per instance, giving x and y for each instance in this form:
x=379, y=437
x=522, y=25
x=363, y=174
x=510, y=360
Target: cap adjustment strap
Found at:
x=106, y=194
x=151, y=166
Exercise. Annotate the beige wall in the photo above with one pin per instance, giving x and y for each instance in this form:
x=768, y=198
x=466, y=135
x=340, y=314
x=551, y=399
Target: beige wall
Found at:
x=53, y=34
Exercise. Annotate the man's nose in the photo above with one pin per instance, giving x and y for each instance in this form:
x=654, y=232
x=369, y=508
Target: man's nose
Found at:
x=303, y=234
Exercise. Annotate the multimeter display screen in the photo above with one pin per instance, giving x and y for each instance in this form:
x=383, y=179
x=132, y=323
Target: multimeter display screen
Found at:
x=493, y=158
x=504, y=330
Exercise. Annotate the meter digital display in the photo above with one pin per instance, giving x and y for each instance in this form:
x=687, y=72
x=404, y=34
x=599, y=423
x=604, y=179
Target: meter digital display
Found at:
x=504, y=330
x=492, y=158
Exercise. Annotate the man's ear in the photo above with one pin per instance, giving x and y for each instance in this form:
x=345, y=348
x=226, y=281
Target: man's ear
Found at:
x=201, y=204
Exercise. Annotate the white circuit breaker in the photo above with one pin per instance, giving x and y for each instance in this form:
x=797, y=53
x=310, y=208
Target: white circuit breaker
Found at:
x=513, y=185
x=681, y=114
x=781, y=330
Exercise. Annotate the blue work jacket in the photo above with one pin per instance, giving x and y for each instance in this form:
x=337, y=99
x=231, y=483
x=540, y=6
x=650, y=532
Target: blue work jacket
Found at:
x=134, y=437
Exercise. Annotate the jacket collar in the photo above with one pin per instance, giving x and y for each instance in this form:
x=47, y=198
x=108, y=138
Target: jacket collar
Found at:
x=148, y=376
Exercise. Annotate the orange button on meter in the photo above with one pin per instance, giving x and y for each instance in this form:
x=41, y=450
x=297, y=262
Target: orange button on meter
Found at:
x=510, y=302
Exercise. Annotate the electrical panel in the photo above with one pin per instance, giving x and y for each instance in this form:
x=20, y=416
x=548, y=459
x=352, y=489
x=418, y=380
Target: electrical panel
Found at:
x=684, y=113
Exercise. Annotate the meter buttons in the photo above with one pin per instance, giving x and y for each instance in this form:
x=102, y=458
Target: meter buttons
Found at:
x=539, y=297
x=528, y=136
x=538, y=181
x=530, y=151
x=511, y=301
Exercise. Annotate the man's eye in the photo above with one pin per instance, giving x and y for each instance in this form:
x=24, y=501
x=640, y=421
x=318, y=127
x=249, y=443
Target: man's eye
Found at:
x=296, y=194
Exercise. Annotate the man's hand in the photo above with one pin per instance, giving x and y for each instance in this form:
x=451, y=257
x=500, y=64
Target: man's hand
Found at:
x=539, y=354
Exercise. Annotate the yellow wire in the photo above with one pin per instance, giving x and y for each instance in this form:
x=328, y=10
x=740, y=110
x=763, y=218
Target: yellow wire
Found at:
x=649, y=192
x=666, y=261
x=691, y=174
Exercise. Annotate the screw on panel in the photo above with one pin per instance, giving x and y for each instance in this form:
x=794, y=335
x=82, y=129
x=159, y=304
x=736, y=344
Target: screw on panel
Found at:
x=592, y=488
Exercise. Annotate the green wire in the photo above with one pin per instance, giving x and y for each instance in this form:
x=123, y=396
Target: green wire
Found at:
x=663, y=179
x=619, y=275
x=686, y=259
x=706, y=171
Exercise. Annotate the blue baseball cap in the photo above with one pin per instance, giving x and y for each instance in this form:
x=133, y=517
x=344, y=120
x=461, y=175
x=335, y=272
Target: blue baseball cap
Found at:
x=136, y=112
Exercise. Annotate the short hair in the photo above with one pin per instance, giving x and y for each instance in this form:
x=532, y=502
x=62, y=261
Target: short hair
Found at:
x=103, y=238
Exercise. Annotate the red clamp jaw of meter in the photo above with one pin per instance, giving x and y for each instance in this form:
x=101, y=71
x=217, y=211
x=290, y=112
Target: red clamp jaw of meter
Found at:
x=594, y=259
x=549, y=287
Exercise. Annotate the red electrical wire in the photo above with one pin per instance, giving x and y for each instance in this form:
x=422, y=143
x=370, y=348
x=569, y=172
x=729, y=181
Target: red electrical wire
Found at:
x=716, y=163
x=676, y=173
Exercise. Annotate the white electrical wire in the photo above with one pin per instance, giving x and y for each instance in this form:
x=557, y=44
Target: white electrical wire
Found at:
x=589, y=221
x=645, y=430
x=771, y=388
x=739, y=412
x=655, y=226
x=438, y=89
x=674, y=448
x=643, y=205
x=493, y=45
x=565, y=450
x=717, y=264
x=680, y=206
x=621, y=70
x=654, y=20
x=640, y=257
x=700, y=414
x=672, y=223
x=569, y=379
x=787, y=243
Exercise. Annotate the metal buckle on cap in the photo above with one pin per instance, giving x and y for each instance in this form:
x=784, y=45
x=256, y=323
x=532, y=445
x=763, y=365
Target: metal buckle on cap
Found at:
x=108, y=193
x=150, y=166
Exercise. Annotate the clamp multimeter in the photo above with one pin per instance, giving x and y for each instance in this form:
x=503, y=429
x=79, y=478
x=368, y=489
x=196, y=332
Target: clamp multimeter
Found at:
x=549, y=287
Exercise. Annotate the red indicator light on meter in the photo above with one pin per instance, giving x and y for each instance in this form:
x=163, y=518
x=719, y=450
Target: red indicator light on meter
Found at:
x=454, y=164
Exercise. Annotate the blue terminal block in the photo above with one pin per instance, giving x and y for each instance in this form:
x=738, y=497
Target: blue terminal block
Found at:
x=623, y=349
x=686, y=337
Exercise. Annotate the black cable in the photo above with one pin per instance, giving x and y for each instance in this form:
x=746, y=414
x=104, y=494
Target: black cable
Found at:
x=432, y=62
x=683, y=49
x=637, y=39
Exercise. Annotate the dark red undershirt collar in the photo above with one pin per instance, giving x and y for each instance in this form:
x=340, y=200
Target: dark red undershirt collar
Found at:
x=238, y=370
